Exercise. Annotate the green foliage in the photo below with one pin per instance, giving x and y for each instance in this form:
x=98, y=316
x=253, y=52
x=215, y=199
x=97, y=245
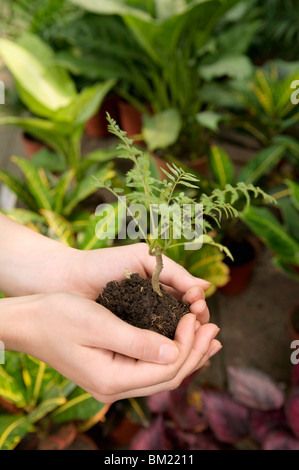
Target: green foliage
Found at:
x=41, y=395
x=280, y=236
x=150, y=191
x=53, y=201
x=154, y=48
x=48, y=92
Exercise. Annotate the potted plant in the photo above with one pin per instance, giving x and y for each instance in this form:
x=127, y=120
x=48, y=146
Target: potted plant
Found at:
x=59, y=112
x=155, y=196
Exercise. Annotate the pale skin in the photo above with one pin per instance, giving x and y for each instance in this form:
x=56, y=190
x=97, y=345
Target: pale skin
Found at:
x=50, y=313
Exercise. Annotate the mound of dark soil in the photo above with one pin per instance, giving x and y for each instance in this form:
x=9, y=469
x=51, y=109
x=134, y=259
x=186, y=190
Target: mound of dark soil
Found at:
x=134, y=301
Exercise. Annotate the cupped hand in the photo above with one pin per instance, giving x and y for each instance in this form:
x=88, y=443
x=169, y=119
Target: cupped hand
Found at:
x=91, y=270
x=107, y=357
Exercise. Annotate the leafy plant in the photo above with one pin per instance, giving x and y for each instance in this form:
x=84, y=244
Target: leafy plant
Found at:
x=157, y=62
x=261, y=103
x=54, y=204
x=281, y=236
x=34, y=396
x=156, y=194
x=254, y=413
x=49, y=93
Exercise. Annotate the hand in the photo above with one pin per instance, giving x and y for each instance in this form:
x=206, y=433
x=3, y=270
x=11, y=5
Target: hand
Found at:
x=96, y=350
x=91, y=270
x=33, y=264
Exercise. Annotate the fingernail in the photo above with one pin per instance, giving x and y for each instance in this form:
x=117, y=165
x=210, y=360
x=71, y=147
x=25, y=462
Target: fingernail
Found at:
x=168, y=353
x=215, y=350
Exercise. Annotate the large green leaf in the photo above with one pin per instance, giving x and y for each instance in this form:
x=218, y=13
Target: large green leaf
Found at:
x=113, y=7
x=41, y=194
x=80, y=406
x=86, y=187
x=19, y=188
x=61, y=228
x=85, y=104
x=221, y=166
x=100, y=231
x=12, y=429
x=52, y=133
x=11, y=389
x=294, y=187
x=233, y=66
x=261, y=163
x=61, y=189
x=265, y=225
x=48, y=85
x=162, y=130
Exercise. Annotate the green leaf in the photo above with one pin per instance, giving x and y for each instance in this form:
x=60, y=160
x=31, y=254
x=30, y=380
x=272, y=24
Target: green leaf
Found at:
x=61, y=227
x=162, y=130
x=233, y=66
x=99, y=232
x=35, y=184
x=264, y=224
x=44, y=408
x=295, y=192
x=221, y=166
x=85, y=105
x=86, y=187
x=12, y=430
x=290, y=218
x=24, y=217
x=259, y=165
x=113, y=7
x=61, y=190
x=19, y=188
x=209, y=119
x=12, y=390
x=48, y=85
x=79, y=406
x=51, y=133
x=48, y=160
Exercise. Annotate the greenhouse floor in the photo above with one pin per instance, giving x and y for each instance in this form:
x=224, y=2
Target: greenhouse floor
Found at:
x=253, y=324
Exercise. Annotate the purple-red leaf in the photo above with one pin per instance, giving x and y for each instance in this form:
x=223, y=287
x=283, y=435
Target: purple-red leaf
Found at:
x=280, y=440
x=228, y=419
x=292, y=410
x=151, y=438
x=185, y=416
x=159, y=402
x=255, y=389
x=295, y=375
x=202, y=441
x=263, y=422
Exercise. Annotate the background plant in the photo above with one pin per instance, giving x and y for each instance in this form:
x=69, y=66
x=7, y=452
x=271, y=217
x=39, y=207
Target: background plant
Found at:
x=60, y=112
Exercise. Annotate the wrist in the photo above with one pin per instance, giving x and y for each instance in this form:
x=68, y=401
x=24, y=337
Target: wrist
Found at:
x=17, y=322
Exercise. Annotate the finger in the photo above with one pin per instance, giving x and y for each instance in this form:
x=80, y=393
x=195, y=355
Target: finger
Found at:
x=193, y=294
x=215, y=346
x=106, y=331
x=200, y=309
x=123, y=374
x=197, y=359
x=174, y=275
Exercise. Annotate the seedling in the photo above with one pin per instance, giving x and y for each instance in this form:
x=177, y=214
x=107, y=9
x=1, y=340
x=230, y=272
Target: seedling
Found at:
x=155, y=194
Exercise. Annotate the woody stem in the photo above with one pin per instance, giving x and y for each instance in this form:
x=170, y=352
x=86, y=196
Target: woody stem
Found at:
x=156, y=274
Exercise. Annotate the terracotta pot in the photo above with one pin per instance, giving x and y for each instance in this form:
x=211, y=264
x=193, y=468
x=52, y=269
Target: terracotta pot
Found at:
x=241, y=270
x=293, y=321
x=97, y=124
x=31, y=145
x=200, y=165
x=124, y=432
x=130, y=118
